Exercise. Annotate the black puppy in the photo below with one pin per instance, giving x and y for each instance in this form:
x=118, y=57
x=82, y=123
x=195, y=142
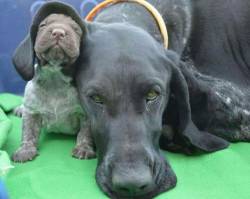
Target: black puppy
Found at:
x=126, y=80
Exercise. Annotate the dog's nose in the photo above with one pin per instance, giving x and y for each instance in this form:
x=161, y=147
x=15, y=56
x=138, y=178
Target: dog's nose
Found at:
x=58, y=33
x=132, y=182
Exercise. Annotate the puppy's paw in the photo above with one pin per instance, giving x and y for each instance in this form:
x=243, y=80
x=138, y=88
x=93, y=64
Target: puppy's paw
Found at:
x=83, y=152
x=18, y=111
x=25, y=154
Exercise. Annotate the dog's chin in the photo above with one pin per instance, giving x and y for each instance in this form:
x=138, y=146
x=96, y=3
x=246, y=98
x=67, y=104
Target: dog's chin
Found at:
x=56, y=54
x=165, y=179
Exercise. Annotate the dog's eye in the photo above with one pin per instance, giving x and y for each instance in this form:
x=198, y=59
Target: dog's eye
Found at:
x=42, y=25
x=77, y=29
x=98, y=99
x=152, y=95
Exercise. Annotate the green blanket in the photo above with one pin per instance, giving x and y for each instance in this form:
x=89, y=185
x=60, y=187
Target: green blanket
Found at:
x=55, y=174
x=7, y=102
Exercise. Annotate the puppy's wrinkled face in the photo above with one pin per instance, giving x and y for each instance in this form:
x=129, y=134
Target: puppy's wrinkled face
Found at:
x=58, y=40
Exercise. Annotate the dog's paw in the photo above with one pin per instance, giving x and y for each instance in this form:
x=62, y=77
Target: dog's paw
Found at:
x=18, y=111
x=24, y=154
x=83, y=152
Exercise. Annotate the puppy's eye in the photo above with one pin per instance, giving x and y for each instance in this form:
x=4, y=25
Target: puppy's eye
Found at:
x=76, y=28
x=42, y=25
x=152, y=95
x=98, y=99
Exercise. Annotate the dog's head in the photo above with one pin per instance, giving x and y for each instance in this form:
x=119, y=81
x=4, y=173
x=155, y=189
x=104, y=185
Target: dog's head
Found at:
x=55, y=36
x=58, y=40
x=125, y=81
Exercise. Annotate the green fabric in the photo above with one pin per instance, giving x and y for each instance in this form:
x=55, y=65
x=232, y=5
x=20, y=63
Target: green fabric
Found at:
x=7, y=103
x=5, y=125
x=5, y=164
x=54, y=174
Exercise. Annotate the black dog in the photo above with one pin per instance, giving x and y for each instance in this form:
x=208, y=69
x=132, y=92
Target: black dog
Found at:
x=126, y=81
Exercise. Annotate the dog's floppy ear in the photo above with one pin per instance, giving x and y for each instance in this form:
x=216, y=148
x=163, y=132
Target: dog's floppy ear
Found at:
x=187, y=132
x=24, y=56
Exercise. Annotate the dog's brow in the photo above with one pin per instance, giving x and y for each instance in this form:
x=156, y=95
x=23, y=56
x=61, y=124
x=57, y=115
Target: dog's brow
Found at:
x=150, y=82
x=95, y=88
x=50, y=20
x=56, y=18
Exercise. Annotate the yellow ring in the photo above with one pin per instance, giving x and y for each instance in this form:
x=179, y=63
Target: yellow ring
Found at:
x=155, y=13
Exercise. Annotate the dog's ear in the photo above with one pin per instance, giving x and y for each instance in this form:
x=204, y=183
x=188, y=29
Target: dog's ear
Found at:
x=188, y=134
x=24, y=56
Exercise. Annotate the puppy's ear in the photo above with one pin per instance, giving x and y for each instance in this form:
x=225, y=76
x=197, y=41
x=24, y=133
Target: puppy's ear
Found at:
x=23, y=58
x=188, y=133
x=24, y=55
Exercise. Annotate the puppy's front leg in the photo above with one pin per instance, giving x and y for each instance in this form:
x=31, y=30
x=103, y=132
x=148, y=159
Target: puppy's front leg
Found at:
x=84, y=148
x=31, y=130
x=18, y=111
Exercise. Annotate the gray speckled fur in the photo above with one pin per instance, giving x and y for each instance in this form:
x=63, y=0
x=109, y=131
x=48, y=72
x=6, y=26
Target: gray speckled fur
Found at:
x=51, y=103
x=227, y=110
x=51, y=95
x=231, y=112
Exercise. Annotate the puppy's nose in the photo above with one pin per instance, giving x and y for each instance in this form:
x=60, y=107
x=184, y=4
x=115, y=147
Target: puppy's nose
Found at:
x=58, y=33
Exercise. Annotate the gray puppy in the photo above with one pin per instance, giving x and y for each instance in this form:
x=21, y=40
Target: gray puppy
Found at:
x=51, y=101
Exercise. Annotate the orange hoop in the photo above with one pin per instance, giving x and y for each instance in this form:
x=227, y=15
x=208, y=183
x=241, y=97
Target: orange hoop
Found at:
x=155, y=13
